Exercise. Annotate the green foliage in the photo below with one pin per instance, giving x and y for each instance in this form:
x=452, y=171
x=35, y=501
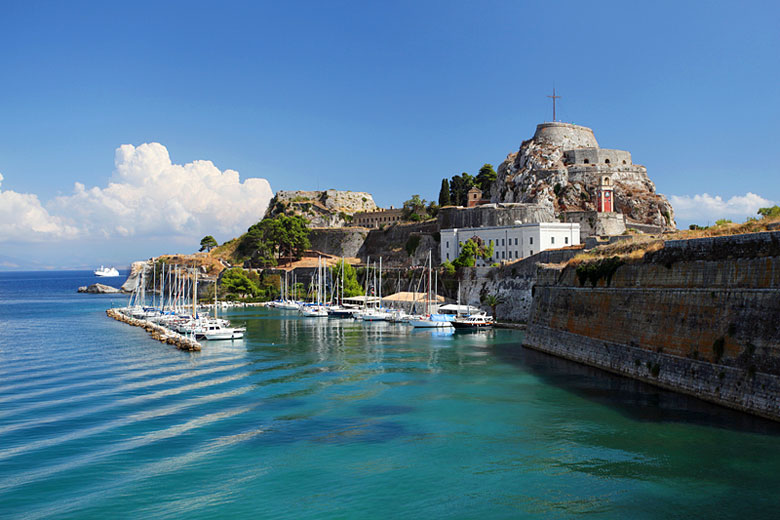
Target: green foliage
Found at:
x=345, y=217
x=772, y=212
x=236, y=281
x=432, y=209
x=492, y=301
x=471, y=250
x=448, y=268
x=414, y=209
x=595, y=271
x=412, y=243
x=459, y=188
x=723, y=222
x=274, y=238
x=208, y=243
x=718, y=347
x=444, y=193
x=351, y=285
x=485, y=179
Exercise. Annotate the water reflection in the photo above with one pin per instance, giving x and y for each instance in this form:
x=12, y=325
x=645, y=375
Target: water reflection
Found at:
x=638, y=400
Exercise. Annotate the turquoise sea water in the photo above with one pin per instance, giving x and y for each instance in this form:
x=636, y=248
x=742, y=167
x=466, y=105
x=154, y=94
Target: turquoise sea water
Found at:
x=310, y=418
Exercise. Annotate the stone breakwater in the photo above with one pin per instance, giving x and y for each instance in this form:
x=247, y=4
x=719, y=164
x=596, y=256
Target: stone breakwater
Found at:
x=699, y=317
x=158, y=332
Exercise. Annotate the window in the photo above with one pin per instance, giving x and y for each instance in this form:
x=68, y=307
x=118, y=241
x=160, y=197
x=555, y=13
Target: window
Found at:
x=448, y=256
x=606, y=161
x=532, y=252
x=552, y=240
x=531, y=241
x=448, y=244
x=587, y=161
x=502, y=241
x=491, y=241
x=503, y=254
x=515, y=241
x=566, y=240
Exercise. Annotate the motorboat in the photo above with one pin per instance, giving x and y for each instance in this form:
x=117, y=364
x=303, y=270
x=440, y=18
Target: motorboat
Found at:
x=473, y=322
x=106, y=272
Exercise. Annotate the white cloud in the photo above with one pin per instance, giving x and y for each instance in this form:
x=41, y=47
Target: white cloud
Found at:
x=23, y=218
x=147, y=196
x=705, y=208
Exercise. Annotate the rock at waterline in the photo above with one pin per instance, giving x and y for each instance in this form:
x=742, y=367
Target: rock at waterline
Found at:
x=98, y=288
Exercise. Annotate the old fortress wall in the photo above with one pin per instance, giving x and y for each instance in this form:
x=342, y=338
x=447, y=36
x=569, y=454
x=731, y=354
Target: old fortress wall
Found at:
x=699, y=317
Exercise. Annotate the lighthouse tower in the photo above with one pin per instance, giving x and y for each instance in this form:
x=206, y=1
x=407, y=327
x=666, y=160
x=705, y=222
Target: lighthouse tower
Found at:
x=605, y=197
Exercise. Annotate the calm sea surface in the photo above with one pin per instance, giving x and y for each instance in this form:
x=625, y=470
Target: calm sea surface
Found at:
x=315, y=418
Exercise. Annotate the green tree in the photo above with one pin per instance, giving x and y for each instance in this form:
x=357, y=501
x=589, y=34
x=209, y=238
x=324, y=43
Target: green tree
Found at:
x=277, y=237
x=492, y=301
x=351, y=285
x=208, y=243
x=414, y=209
x=723, y=222
x=471, y=250
x=459, y=188
x=448, y=268
x=444, y=193
x=236, y=281
x=772, y=212
x=485, y=179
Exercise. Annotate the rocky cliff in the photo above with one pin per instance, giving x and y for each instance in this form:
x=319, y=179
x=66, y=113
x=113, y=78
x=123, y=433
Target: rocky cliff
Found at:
x=330, y=208
x=697, y=316
x=560, y=167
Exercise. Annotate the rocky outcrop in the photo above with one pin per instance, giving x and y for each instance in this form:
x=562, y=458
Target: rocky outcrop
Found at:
x=134, y=276
x=98, y=288
x=330, y=208
x=697, y=316
x=560, y=168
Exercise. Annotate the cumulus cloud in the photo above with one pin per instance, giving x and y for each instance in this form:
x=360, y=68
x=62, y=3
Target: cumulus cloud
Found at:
x=705, y=208
x=146, y=196
x=24, y=219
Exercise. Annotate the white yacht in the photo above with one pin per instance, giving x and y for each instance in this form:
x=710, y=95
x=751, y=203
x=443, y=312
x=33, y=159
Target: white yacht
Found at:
x=106, y=271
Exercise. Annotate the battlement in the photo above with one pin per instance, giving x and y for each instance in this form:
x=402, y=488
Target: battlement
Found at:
x=565, y=135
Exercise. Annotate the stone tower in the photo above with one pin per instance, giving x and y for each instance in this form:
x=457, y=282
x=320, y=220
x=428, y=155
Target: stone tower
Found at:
x=605, y=199
x=474, y=197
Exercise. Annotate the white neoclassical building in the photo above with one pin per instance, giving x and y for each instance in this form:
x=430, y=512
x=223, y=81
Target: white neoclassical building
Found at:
x=511, y=243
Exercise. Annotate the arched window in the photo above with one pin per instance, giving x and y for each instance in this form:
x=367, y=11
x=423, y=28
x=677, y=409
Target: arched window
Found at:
x=587, y=161
x=606, y=161
x=624, y=161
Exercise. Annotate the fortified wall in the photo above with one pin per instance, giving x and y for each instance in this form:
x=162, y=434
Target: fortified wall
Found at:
x=698, y=317
x=512, y=282
x=494, y=215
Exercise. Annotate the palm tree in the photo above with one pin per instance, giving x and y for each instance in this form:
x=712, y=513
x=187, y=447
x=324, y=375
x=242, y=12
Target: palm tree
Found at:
x=493, y=301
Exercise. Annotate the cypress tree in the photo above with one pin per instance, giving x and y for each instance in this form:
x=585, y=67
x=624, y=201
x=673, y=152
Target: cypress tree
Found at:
x=444, y=193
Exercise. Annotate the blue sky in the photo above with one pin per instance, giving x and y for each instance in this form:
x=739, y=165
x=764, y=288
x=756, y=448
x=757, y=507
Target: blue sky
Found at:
x=381, y=97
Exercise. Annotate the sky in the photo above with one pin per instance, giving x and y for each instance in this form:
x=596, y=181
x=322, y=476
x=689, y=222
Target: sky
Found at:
x=132, y=130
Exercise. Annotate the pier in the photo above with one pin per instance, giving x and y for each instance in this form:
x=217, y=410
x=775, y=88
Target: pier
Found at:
x=158, y=332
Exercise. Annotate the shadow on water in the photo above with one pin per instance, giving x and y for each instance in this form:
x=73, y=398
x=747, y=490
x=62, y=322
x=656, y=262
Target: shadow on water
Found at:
x=634, y=399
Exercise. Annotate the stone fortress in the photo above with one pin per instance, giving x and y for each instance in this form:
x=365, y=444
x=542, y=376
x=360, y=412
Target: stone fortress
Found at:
x=562, y=167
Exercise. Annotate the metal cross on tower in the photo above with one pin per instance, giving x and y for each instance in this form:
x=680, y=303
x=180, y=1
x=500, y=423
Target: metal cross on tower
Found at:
x=554, y=97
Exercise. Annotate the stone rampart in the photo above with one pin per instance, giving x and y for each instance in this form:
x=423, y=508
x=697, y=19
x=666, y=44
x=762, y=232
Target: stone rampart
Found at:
x=512, y=282
x=494, y=215
x=565, y=135
x=699, y=317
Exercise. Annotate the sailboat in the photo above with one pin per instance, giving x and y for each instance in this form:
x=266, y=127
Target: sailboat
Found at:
x=430, y=320
x=377, y=313
x=317, y=309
